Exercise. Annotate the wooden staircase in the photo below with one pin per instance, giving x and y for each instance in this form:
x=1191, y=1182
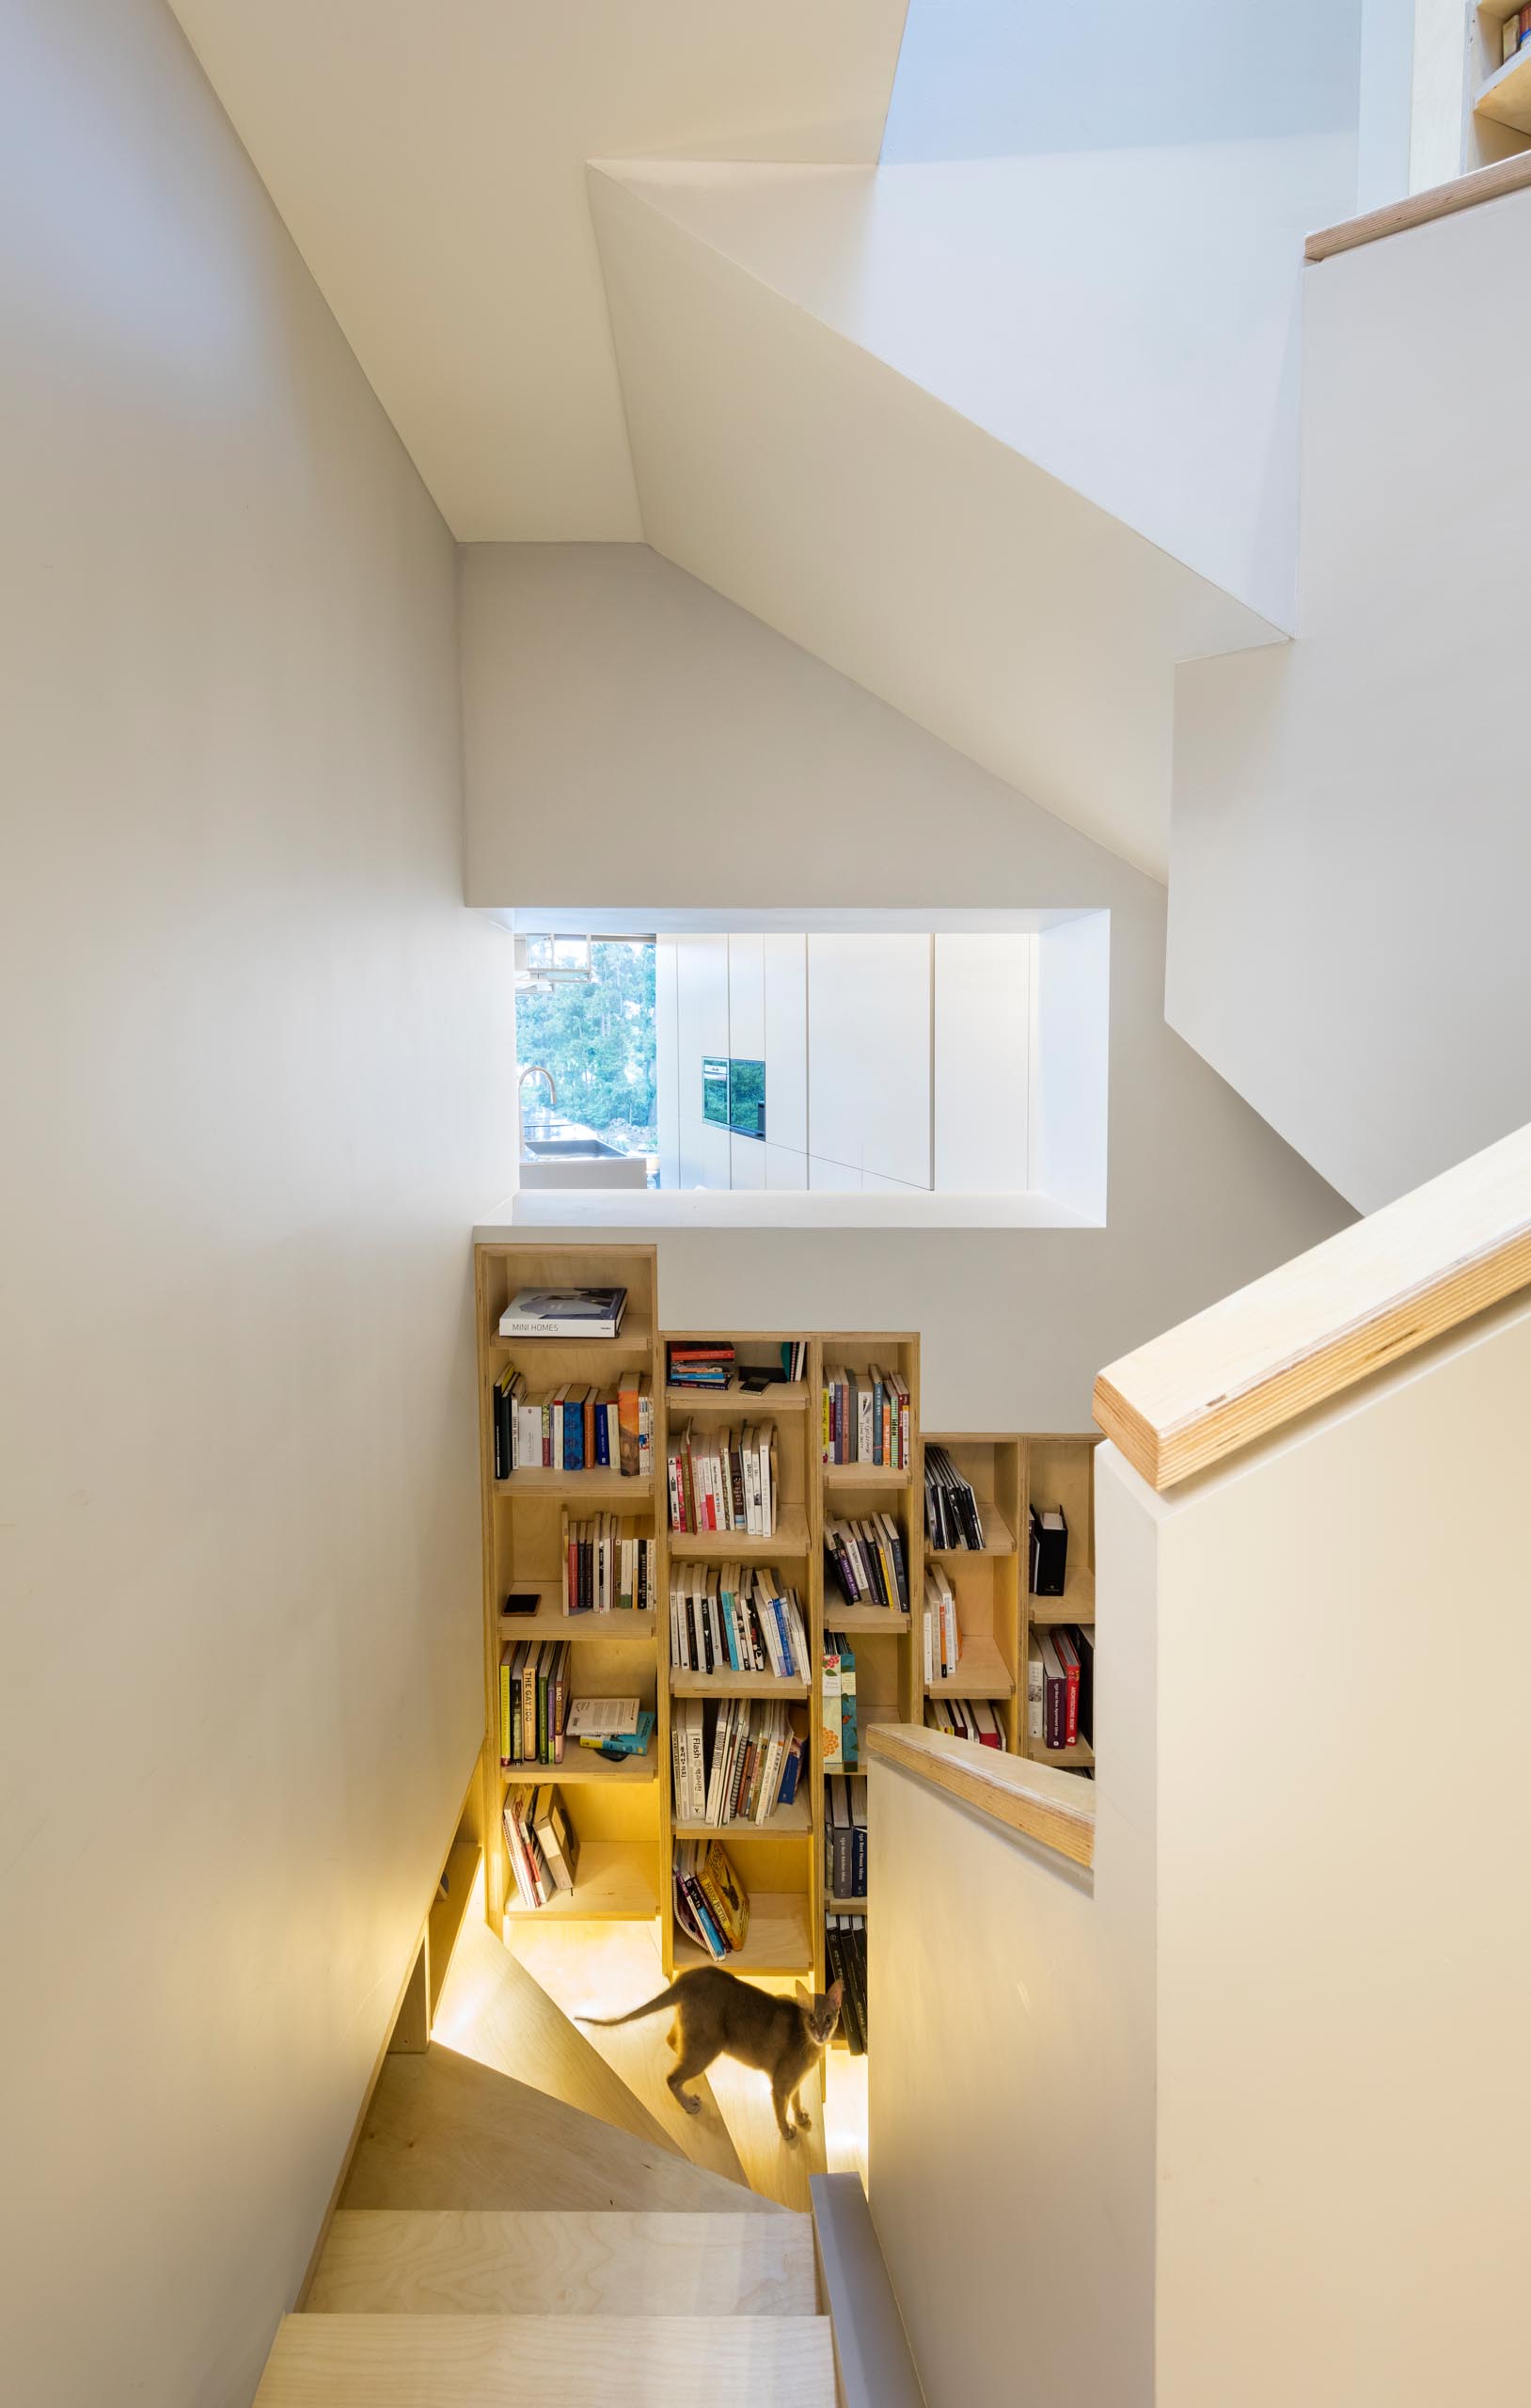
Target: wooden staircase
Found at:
x=495, y=2245
x=548, y=2239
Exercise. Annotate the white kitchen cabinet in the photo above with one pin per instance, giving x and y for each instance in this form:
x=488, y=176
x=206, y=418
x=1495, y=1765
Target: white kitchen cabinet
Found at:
x=747, y=997
x=869, y=1054
x=832, y=1179
x=784, y=1166
x=716, y=1156
x=700, y=1014
x=692, y=1131
x=785, y=975
x=982, y=1062
x=746, y=1162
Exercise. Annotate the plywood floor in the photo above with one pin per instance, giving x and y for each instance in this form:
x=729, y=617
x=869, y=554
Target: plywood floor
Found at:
x=603, y=1968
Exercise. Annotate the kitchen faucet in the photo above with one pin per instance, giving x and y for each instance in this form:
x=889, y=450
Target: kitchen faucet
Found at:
x=532, y=1071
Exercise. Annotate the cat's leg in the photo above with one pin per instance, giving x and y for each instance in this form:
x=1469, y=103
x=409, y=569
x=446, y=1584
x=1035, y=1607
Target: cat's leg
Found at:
x=692, y=2060
x=804, y=2120
x=779, y=2095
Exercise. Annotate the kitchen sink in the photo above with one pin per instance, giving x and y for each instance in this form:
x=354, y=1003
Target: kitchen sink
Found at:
x=588, y=1149
x=556, y=1152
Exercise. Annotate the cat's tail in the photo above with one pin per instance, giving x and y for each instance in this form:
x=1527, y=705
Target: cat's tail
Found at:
x=666, y=1998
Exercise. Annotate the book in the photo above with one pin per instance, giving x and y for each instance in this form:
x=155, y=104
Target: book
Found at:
x=693, y=1914
x=698, y=1363
x=866, y=1561
x=608, y=1567
x=832, y=1755
x=748, y=1762
x=839, y=1839
x=866, y=1417
x=723, y=1479
x=724, y=1893
x=555, y=1837
x=603, y=1718
x=574, y=1427
x=941, y=1634
x=1055, y=1692
x=845, y=1945
x=837, y=1942
x=953, y=1520
x=533, y=1679
x=564, y=1312
x=1069, y=1657
x=617, y=1744
x=1084, y=1641
x=1048, y=1533
x=635, y=1426
x=533, y=1879
x=711, y=1905
x=1036, y=1695
x=847, y=1707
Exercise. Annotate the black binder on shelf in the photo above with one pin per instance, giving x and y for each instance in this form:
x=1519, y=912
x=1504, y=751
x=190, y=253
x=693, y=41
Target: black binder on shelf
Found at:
x=1050, y=1551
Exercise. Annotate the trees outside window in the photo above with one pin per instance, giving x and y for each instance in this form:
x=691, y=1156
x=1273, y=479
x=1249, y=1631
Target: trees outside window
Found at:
x=597, y=1037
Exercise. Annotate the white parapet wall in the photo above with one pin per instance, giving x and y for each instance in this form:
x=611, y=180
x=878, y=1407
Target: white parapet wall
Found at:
x=1344, y=1954
x=1241, y=2114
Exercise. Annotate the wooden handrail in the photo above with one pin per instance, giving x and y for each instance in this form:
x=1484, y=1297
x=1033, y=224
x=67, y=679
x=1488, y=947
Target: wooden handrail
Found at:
x=1418, y=207
x=1056, y=1809
x=1304, y=1333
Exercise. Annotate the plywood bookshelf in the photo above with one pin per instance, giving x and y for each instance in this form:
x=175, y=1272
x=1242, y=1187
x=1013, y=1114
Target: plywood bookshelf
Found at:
x=624, y=1814
x=987, y=1581
x=775, y=1859
x=1060, y=1471
x=616, y=1810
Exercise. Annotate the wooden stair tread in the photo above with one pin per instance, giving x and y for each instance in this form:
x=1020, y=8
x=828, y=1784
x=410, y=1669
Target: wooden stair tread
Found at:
x=612, y=2263
x=603, y=1968
x=494, y=2010
x=443, y=2131
x=549, y=2362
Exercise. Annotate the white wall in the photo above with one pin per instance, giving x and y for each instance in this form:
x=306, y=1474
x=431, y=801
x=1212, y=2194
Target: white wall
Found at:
x=1125, y=317
x=1344, y=1962
x=609, y=702
x=982, y=79
x=257, y=1073
x=1010, y=2085
x=1242, y=2114
x=1351, y=844
x=1386, y=104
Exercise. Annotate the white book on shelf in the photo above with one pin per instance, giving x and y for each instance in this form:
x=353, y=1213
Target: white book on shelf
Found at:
x=564, y=1312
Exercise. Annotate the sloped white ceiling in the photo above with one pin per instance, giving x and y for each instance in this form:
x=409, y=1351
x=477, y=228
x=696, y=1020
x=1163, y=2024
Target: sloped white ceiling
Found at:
x=1126, y=319
x=855, y=511
x=427, y=158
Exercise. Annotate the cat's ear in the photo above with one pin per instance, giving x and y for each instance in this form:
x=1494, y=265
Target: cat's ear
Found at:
x=833, y=1994
x=804, y=2000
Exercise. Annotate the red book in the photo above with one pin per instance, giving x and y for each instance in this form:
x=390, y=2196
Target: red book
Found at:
x=1069, y=1657
x=1055, y=1691
x=990, y=1732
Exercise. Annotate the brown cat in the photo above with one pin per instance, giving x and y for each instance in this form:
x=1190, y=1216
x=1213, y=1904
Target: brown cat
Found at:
x=718, y=2014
